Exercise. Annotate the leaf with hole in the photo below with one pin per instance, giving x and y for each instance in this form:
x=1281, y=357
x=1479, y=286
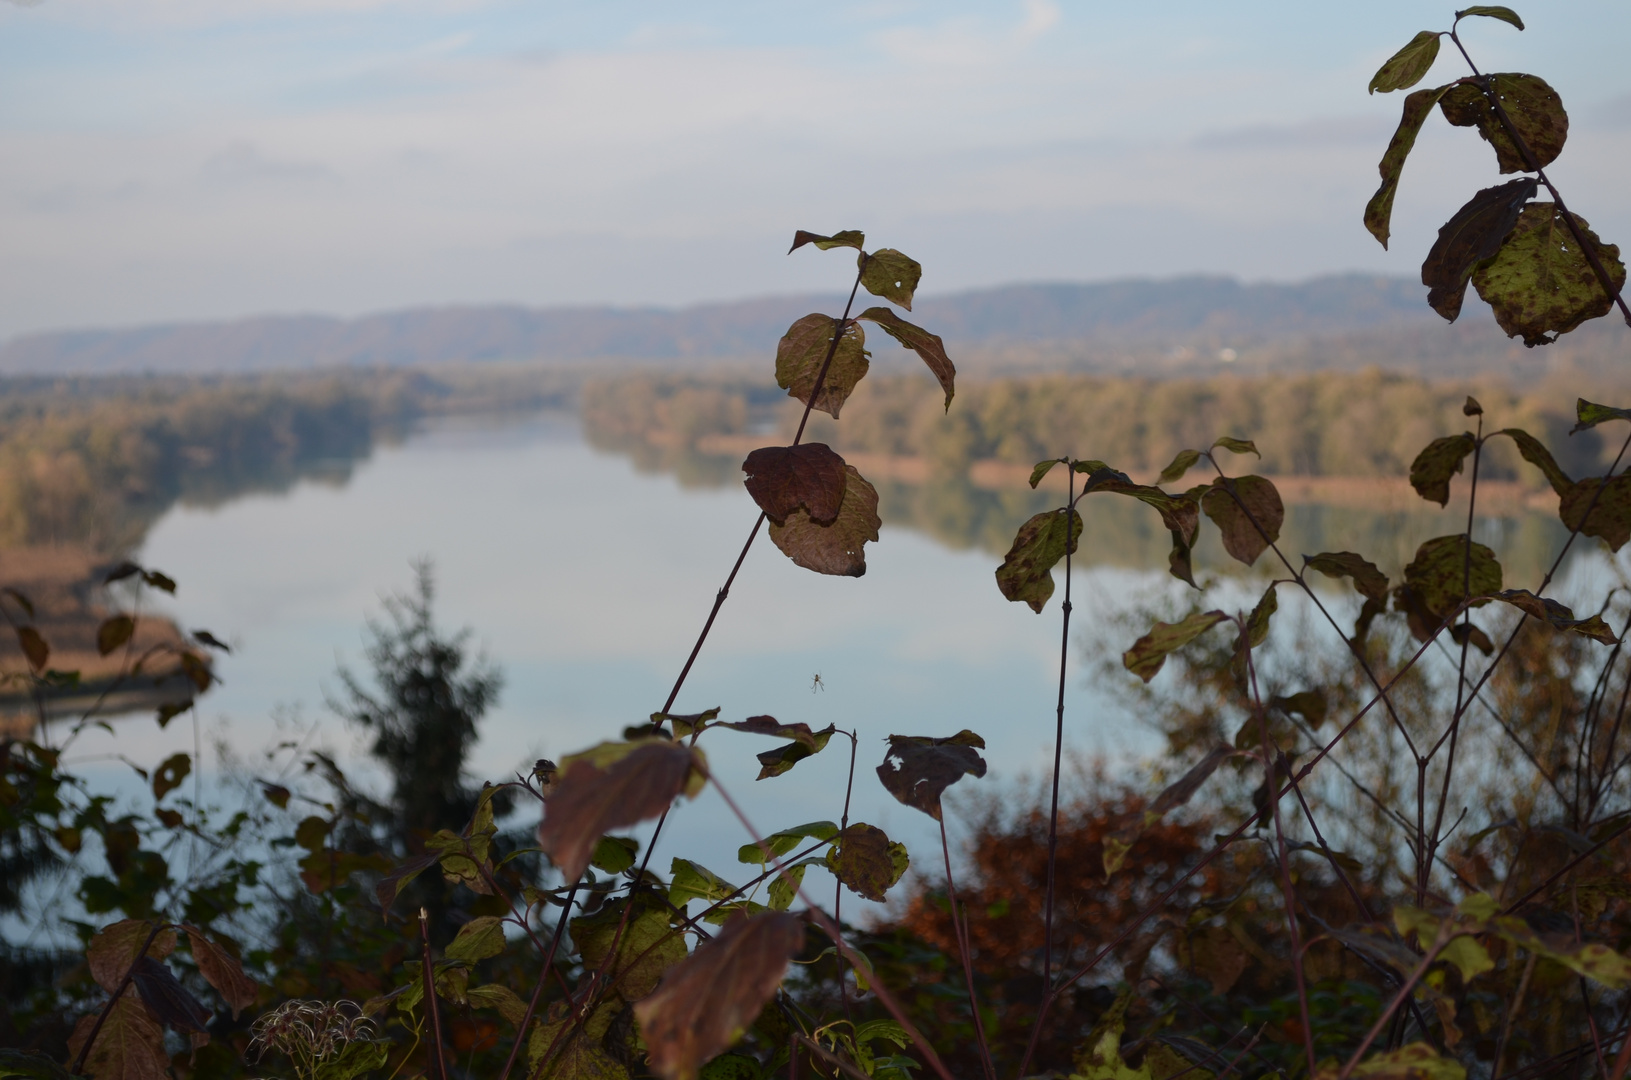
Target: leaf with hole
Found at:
x=917, y=770
x=1557, y=616
x=611, y=786
x=706, y=1002
x=1370, y=582
x=1379, y=211
x=803, y=351
x=1150, y=652
x=1408, y=66
x=929, y=348
x=1248, y=512
x=808, y=477
x=222, y=970
x=170, y=773
x=1441, y=459
x=1471, y=236
x=130, y=1045
x=786, y=841
x=114, y=632
x=837, y=549
x=1026, y=573
x=867, y=861
x=891, y=275
x=1530, y=104
x=853, y=238
x=1540, y=284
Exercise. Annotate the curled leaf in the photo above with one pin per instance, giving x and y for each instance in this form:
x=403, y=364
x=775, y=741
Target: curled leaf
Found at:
x=1590, y=414
x=928, y=346
x=1540, y=284
x=867, y=861
x=1472, y=235
x=891, y=275
x=1530, y=104
x=608, y=787
x=1238, y=446
x=1557, y=616
x=1150, y=652
x=1042, y=469
x=802, y=352
x=1492, y=11
x=168, y=1000
x=1248, y=512
x=1379, y=211
x=777, y=761
x=838, y=548
x=783, y=479
x=917, y=770
x=1535, y=452
x=1026, y=572
x=783, y=842
x=845, y=238
x=1441, y=459
x=707, y=1001
x=1370, y=582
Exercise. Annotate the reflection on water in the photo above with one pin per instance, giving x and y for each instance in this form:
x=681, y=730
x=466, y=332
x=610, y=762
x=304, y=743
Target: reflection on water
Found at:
x=1122, y=532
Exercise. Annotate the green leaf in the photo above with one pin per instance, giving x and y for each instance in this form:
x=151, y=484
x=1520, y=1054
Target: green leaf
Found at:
x=867, y=861
x=803, y=350
x=732, y=1067
x=784, y=890
x=1257, y=623
x=928, y=346
x=1540, y=284
x=1181, y=514
x=1370, y=582
x=1150, y=652
x=25, y=1065
x=1408, y=66
x=1557, y=616
x=1599, y=508
x=1438, y=575
x=891, y=275
x=1472, y=235
x=499, y=998
x=1026, y=572
x=1238, y=446
x=687, y=724
x=1469, y=957
x=481, y=937
x=693, y=881
x=839, y=548
x=357, y=1058
x=1533, y=107
x=648, y=947
x=1248, y=512
x=805, y=742
x=853, y=238
x=1379, y=211
x=1591, y=414
x=1413, y=1061
x=1492, y=11
x=1042, y=469
x=1180, y=465
x=615, y=854
x=580, y=1052
x=1441, y=459
x=1534, y=451
x=784, y=842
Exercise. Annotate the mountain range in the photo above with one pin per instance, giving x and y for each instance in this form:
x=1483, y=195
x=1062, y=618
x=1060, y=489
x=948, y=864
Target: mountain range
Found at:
x=1153, y=326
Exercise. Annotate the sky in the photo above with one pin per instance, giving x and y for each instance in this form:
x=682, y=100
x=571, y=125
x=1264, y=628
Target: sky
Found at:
x=178, y=160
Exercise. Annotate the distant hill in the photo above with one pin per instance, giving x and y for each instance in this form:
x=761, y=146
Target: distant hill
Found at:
x=1136, y=325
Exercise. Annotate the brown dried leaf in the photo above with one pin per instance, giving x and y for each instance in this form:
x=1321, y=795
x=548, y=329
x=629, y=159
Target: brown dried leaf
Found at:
x=130, y=1045
x=1558, y=616
x=843, y=238
x=705, y=1003
x=782, y=758
x=608, y=787
x=114, y=948
x=917, y=770
x=113, y=633
x=802, y=351
x=1370, y=582
x=223, y=971
x=929, y=348
x=34, y=647
x=783, y=479
x=839, y=548
x=1249, y=518
x=170, y=773
x=867, y=861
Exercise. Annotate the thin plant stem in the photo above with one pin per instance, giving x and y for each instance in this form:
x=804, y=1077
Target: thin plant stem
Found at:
x=966, y=948
x=430, y=997
x=1059, y=731
x=538, y=991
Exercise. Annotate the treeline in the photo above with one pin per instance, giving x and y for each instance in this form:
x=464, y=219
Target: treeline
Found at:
x=1365, y=424
x=94, y=461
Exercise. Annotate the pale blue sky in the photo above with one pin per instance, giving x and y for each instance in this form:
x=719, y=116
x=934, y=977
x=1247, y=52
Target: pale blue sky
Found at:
x=185, y=159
